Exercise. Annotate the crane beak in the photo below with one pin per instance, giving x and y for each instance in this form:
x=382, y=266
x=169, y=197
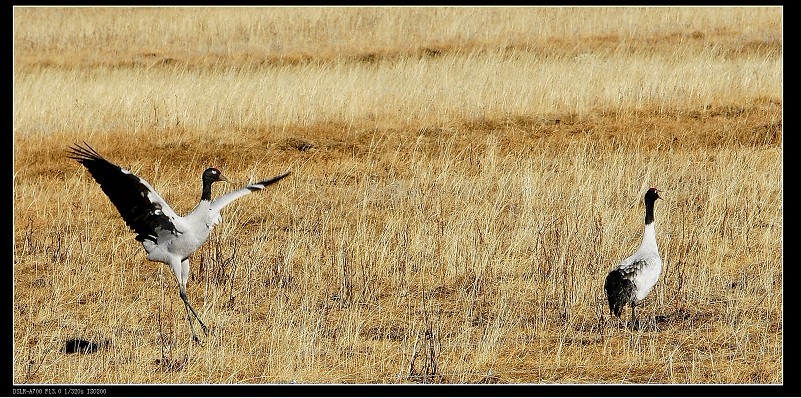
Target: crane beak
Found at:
x=222, y=178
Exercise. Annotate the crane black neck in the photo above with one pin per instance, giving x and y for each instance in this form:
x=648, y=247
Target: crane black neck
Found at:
x=649, y=210
x=206, y=193
x=208, y=179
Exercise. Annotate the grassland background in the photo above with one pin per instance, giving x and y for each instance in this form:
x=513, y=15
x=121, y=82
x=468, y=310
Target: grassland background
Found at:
x=464, y=178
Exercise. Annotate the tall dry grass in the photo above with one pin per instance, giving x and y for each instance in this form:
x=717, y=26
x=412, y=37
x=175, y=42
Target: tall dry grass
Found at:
x=462, y=181
x=401, y=94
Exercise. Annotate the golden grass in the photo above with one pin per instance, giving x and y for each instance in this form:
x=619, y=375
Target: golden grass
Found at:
x=462, y=182
x=402, y=93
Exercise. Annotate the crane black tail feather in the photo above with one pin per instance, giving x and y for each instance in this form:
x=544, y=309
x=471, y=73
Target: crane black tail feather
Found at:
x=619, y=291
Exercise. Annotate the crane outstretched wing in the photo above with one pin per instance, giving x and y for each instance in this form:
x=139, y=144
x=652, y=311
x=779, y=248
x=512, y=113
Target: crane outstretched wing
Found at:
x=142, y=208
x=222, y=201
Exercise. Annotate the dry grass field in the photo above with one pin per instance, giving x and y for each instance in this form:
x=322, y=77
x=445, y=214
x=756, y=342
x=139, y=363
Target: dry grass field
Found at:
x=463, y=180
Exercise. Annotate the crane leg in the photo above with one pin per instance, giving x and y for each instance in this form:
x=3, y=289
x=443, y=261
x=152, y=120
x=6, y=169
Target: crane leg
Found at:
x=190, y=308
x=189, y=316
x=191, y=324
x=182, y=274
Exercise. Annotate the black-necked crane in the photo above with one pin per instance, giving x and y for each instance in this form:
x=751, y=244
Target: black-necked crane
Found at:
x=633, y=279
x=167, y=237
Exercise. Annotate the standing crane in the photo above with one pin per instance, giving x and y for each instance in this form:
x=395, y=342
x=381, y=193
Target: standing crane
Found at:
x=636, y=275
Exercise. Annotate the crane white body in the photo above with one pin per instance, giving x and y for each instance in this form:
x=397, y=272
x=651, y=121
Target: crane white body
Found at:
x=645, y=265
